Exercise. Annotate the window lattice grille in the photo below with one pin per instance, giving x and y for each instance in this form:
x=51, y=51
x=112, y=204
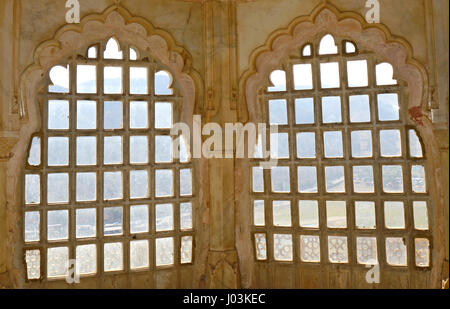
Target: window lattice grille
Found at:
x=350, y=184
x=108, y=191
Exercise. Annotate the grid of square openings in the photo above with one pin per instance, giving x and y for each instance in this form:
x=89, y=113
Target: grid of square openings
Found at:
x=350, y=183
x=108, y=192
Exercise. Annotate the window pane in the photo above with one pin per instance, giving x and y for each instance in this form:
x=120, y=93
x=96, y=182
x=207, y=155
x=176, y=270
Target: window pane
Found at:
x=86, y=78
x=335, y=179
x=304, y=111
x=163, y=149
x=279, y=145
x=58, y=188
x=329, y=75
x=309, y=214
x=58, y=151
x=302, y=76
x=113, y=114
x=57, y=261
x=307, y=179
x=112, y=150
x=396, y=251
x=278, y=112
x=112, y=217
x=281, y=213
x=418, y=181
x=138, y=115
x=86, y=115
x=280, y=179
x=86, y=150
x=258, y=213
x=415, y=147
x=363, y=179
x=278, y=80
x=310, y=248
x=112, y=80
x=32, y=189
x=164, y=183
x=365, y=215
x=336, y=214
x=331, y=110
x=366, y=248
x=86, y=222
x=139, y=219
x=422, y=248
x=139, y=187
x=261, y=246
x=394, y=215
x=185, y=216
x=306, y=145
x=57, y=225
x=32, y=226
x=164, y=217
x=282, y=247
x=357, y=73
x=420, y=215
x=163, y=80
x=333, y=144
x=34, y=159
x=163, y=115
x=33, y=261
x=361, y=144
x=113, y=256
x=138, y=81
x=185, y=182
x=112, y=185
x=258, y=180
x=138, y=149
x=139, y=255
x=390, y=143
x=186, y=249
x=164, y=251
x=359, y=108
x=86, y=187
x=388, y=109
x=392, y=178
x=337, y=249
x=58, y=114
x=87, y=259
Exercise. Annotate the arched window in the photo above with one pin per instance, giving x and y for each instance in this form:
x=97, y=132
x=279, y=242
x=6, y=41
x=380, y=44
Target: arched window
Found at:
x=102, y=186
x=350, y=184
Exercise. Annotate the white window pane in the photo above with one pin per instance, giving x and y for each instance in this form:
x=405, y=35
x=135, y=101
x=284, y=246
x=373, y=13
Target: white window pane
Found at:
x=384, y=73
x=59, y=77
x=366, y=250
x=112, y=80
x=86, y=259
x=337, y=249
x=282, y=247
x=86, y=187
x=306, y=145
x=327, y=45
x=139, y=254
x=396, y=251
x=185, y=216
x=359, y=108
x=86, y=115
x=331, y=110
x=361, y=144
x=388, y=108
x=113, y=114
x=309, y=213
x=32, y=226
x=113, y=256
x=58, y=225
x=415, y=147
x=139, y=187
x=304, y=111
x=138, y=81
x=365, y=215
x=307, y=179
x=357, y=73
x=164, y=251
x=258, y=213
x=112, y=221
x=164, y=183
x=281, y=213
x=139, y=219
x=86, y=78
x=392, y=178
x=112, y=185
x=363, y=179
x=329, y=75
x=394, y=215
x=261, y=246
x=280, y=179
x=186, y=249
x=258, y=180
x=302, y=76
x=86, y=222
x=279, y=145
x=58, y=114
x=163, y=149
x=57, y=262
x=86, y=150
x=112, y=50
x=33, y=261
x=138, y=149
x=112, y=150
x=34, y=159
x=278, y=112
x=58, y=188
x=58, y=151
x=333, y=144
x=390, y=143
x=278, y=80
x=32, y=189
x=420, y=215
x=336, y=214
x=164, y=217
x=310, y=248
x=163, y=115
x=138, y=115
x=185, y=182
x=335, y=179
x=418, y=180
x=422, y=248
x=163, y=81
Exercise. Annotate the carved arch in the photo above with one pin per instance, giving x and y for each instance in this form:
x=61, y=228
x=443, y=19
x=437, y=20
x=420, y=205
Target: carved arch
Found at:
x=328, y=19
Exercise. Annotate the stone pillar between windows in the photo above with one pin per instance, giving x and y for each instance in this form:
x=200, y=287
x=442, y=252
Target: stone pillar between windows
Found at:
x=220, y=50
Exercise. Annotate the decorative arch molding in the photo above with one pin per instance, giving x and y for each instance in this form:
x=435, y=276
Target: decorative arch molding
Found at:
x=372, y=37
x=328, y=19
x=116, y=22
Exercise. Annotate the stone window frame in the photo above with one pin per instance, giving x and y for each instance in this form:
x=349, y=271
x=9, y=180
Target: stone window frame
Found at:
x=376, y=38
x=99, y=204
x=320, y=162
x=117, y=22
